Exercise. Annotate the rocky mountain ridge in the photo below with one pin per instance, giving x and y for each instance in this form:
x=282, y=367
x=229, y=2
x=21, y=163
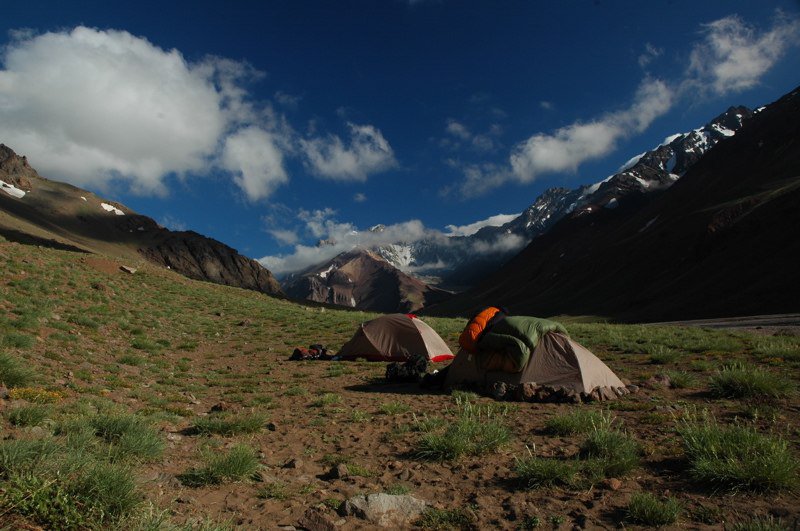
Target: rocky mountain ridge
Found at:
x=34, y=209
x=362, y=279
x=458, y=262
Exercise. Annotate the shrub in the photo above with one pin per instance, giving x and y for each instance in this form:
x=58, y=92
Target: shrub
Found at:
x=745, y=381
x=36, y=395
x=737, y=456
x=646, y=509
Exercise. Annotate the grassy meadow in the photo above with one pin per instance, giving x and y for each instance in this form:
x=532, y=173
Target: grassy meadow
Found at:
x=150, y=401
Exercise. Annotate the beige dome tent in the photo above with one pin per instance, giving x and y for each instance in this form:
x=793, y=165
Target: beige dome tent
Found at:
x=557, y=363
x=395, y=337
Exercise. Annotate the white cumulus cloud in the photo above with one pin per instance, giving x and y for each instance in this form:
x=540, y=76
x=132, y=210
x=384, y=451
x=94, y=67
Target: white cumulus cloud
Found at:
x=734, y=55
x=255, y=160
x=570, y=146
x=472, y=228
x=90, y=106
x=93, y=106
x=367, y=153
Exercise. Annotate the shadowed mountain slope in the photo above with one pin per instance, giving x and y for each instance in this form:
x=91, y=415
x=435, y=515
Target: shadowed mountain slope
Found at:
x=722, y=241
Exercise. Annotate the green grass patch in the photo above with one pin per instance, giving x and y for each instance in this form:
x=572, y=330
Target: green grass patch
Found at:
x=578, y=421
x=474, y=432
x=647, y=509
x=760, y=523
x=227, y=425
x=682, y=379
x=394, y=408
x=608, y=453
x=13, y=373
x=747, y=381
x=238, y=463
x=534, y=472
x=737, y=456
x=275, y=490
x=32, y=415
x=442, y=519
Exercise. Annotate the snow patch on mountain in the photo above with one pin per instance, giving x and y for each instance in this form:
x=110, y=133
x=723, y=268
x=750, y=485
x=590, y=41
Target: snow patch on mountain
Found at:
x=12, y=190
x=112, y=208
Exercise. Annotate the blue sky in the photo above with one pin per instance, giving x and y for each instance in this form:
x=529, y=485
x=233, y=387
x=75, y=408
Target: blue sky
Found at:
x=271, y=125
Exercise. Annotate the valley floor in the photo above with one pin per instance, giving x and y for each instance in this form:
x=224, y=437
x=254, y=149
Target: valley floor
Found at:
x=206, y=368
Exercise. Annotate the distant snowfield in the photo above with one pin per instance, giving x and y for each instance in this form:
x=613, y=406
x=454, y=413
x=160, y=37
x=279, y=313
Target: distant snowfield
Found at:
x=12, y=190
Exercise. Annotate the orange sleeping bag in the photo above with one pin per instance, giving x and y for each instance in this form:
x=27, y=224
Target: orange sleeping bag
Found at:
x=477, y=325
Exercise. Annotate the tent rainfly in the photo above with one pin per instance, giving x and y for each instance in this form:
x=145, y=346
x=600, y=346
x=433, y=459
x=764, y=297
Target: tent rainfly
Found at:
x=395, y=337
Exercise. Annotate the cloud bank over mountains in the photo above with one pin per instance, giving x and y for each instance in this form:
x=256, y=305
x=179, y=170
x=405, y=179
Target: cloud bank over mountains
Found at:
x=95, y=106
x=335, y=237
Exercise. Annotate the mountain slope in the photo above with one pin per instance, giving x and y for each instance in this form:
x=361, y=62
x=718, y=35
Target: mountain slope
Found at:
x=459, y=262
x=723, y=241
x=44, y=212
x=361, y=279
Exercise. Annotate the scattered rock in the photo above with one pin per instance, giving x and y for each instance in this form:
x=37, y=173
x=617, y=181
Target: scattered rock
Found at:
x=499, y=390
x=405, y=475
x=385, y=510
x=246, y=322
x=128, y=269
x=632, y=389
x=316, y=519
x=219, y=407
x=340, y=472
x=293, y=463
x=613, y=483
x=658, y=381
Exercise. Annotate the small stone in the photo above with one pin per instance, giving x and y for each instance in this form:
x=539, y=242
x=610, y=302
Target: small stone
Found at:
x=633, y=389
x=340, y=472
x=613, y=483
x=174, y=437
x=499, y=390
x=220, y=407
x=404, y=475
x=395, y=465
x=293, y=463
x=315, y=519
x=128, y=269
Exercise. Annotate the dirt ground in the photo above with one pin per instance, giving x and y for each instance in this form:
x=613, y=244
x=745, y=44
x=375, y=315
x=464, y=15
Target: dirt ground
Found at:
x=301, y=437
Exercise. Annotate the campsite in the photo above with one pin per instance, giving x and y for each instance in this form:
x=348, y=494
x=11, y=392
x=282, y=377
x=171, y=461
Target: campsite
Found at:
x=180, y=399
